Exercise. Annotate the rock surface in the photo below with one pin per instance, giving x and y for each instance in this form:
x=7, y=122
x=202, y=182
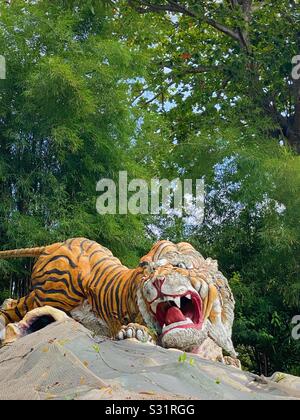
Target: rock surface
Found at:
x=64, y=361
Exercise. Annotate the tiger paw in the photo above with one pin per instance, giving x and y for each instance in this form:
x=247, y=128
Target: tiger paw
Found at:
x=137, y=331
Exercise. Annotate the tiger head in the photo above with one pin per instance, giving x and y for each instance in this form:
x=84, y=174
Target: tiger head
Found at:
x=185, y=299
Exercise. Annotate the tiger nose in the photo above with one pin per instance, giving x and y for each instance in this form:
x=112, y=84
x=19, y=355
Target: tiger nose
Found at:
x=158, y=283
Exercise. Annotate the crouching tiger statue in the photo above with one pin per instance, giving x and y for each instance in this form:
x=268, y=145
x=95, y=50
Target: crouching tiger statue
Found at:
x=175, y=297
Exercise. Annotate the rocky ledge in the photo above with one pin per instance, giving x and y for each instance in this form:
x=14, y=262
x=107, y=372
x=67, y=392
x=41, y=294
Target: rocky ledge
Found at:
x=66, y=361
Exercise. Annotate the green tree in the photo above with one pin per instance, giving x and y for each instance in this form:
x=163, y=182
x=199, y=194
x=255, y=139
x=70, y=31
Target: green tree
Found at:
x=65, y=123
x=230, y=60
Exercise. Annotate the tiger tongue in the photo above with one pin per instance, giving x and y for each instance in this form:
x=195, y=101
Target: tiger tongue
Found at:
x=174, y=315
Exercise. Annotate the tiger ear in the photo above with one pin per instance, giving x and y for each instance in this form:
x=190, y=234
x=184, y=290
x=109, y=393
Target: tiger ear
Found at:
x=144, y=264
x=146, y=259
x=148, y=266
x=154, y=264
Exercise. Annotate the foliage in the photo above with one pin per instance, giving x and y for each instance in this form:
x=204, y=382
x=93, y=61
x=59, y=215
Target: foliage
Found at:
x=66, y=83
x=224, y=60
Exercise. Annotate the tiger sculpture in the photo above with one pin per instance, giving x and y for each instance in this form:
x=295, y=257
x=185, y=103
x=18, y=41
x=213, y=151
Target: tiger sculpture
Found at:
x=174, y=298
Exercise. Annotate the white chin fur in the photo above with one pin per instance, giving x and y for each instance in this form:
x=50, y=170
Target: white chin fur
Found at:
x=184, y=338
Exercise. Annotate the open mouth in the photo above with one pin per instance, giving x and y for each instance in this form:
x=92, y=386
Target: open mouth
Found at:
x=176, y=312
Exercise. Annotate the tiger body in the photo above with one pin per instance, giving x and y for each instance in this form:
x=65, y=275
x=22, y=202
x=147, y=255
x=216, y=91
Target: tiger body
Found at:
x=78, y=270
x=174, y=297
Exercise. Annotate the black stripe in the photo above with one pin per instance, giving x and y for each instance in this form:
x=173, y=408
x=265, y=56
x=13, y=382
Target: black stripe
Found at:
x=50, y=272
x=111, y=267
x=25, y=303
x=18, y=313
x=43, y=300
x=82, y=245
x=91, y=246
x=67, y=283
x=94, y=305
x=95, y=252
x=82, y=248
x=37, y=301
x=99, y=262
x=26, y=299
x=98, y=291
x=70, y=284
x=107, y=293
x=117, y=297
x=57, y=257
x=69, y=244
x=7, y=316
x=80, y=283
x=57, y=291
x=114, y=291
x=95, y=281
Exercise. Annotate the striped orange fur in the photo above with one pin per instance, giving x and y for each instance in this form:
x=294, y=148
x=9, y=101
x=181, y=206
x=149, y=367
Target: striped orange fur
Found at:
x=68, y=273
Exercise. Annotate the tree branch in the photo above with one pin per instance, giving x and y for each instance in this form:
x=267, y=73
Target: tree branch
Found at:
x=247, y=8
x=199, y=69
x=195, y=70
x=143, y=6
x=222, y=28
x=247, y=13
x=182, y=9
x=139, y=95
x=159, y=93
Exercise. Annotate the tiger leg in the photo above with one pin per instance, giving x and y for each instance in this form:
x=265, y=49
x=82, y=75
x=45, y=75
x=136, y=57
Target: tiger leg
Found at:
x=17, y=309
x=137, y=331
x=15, y=312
